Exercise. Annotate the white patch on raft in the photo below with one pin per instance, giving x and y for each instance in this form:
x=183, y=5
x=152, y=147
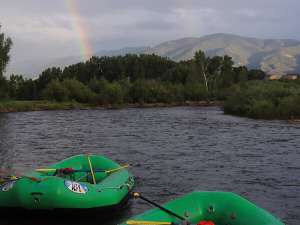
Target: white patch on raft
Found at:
x=76, y=187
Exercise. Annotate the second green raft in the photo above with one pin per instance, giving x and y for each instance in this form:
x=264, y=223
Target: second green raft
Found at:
x=218, y=208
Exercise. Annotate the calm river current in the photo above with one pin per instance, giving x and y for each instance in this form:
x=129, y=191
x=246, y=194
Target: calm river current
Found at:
x=173, y=151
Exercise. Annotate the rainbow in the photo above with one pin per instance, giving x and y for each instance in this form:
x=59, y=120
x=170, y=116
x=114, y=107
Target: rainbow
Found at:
x=77, y=24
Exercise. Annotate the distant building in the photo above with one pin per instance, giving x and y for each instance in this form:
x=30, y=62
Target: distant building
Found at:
x=274, y=76
x=290, y=77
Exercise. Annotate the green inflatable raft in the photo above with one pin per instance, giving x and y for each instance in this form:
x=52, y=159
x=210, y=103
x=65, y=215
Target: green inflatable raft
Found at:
x=78, y=183
x=206, y=208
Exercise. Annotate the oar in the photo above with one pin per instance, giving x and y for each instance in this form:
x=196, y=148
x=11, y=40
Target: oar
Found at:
x=12, y=178
x=91, y=168
x=141, y=222
x=47, y=170
x=16, y=176
x=138, y=195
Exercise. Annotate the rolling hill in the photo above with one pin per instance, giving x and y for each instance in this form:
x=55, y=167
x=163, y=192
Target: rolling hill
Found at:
x=270, y=55
x=278, y=56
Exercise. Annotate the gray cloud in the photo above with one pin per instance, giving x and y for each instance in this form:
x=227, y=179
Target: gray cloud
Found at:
x=43, y=28
x=156, y=25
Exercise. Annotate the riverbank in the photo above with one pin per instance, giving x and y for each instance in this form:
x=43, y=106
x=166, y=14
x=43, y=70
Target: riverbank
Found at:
x=25, y=106
x=43, y=105
x=265, y=100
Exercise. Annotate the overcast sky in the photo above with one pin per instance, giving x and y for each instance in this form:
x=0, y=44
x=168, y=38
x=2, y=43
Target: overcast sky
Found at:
x=41, y=28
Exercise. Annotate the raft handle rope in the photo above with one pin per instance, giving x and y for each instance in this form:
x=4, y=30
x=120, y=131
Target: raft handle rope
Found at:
x=128, y=184
x=110, y=188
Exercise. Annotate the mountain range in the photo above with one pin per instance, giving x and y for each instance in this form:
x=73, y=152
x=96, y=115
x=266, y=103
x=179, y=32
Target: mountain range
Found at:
x=274, y=56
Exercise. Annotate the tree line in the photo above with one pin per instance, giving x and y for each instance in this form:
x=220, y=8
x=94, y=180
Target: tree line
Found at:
x=131, y=79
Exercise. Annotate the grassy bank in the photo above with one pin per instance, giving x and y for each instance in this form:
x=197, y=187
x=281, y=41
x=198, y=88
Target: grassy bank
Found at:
x=23, y=106
x=265, y=100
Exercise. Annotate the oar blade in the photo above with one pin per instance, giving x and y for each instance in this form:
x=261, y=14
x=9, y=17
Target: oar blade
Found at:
x=117, y=169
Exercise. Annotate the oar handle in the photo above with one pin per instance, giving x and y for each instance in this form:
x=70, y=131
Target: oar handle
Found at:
x=138, y=195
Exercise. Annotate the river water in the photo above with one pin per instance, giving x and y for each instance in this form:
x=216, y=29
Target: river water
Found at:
x=173, y=151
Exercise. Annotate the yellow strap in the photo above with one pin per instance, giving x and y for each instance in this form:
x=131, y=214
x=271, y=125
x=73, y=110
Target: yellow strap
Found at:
x=13, y=177
x=45, y=170
x=136, y=222
x=91, y=167
x=117, y=169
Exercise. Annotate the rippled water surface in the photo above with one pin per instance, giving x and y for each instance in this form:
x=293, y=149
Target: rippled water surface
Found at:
x=173, y=151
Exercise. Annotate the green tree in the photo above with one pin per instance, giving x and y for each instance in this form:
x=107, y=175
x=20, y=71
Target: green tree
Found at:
x=202, y=63
x=240, y=74
x=14, y=83
x=195, y=92
x=26, y=90
x=227, y=75
x=100, y=87
x=5, y=46
x=114, y=93
x=46, y=77
x=256, y=75
x=178, y=74
x=55, y=91
x=94, y=85
x=214, y=72
x=78, y=91
x=3, y=88
x=140, y=91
